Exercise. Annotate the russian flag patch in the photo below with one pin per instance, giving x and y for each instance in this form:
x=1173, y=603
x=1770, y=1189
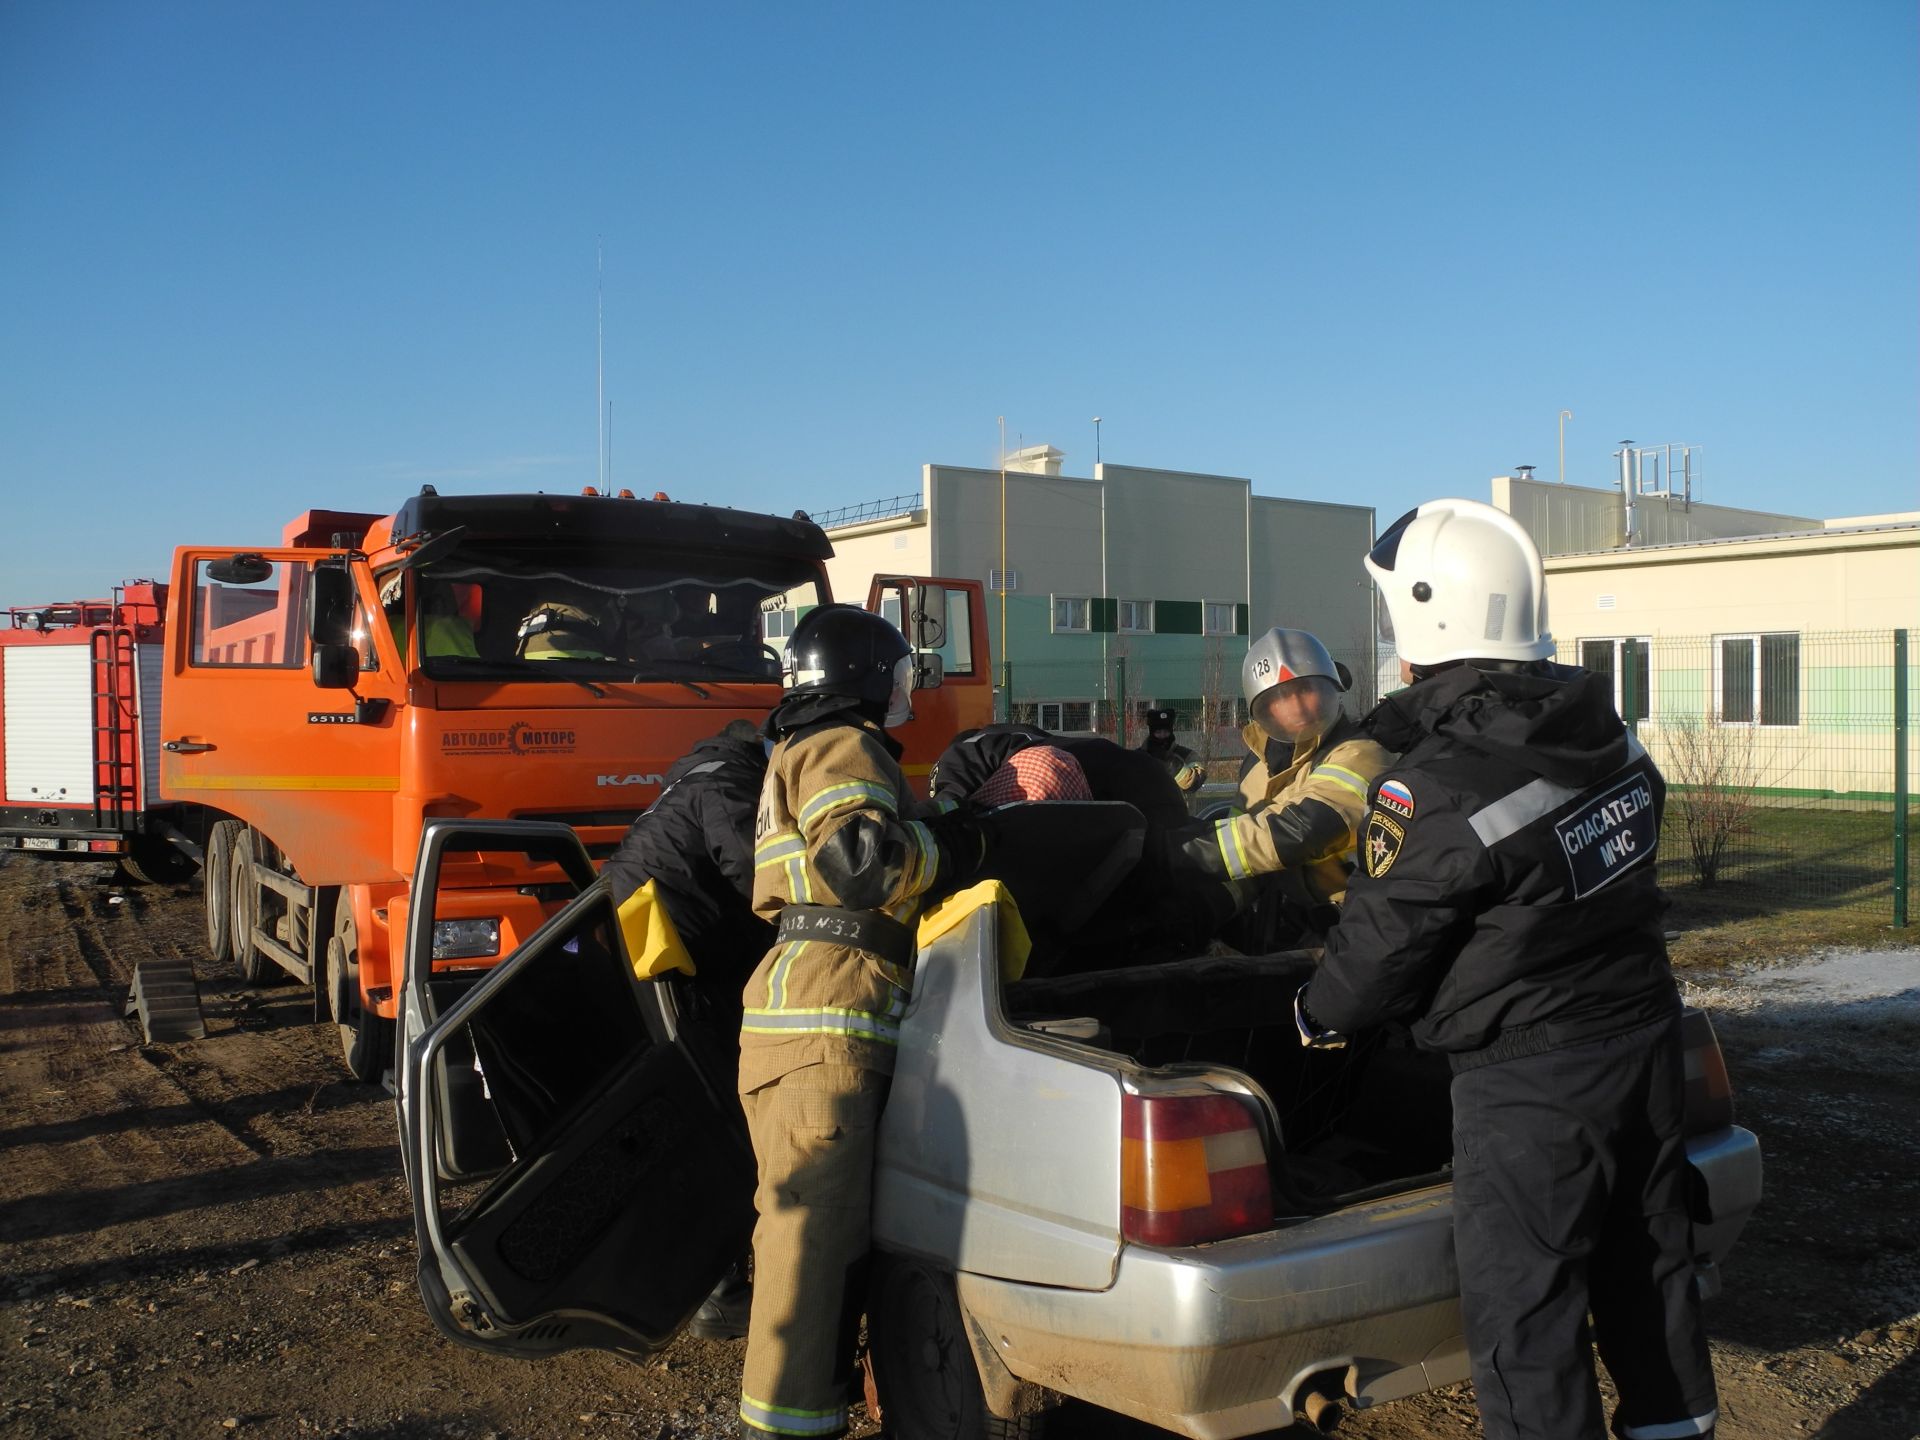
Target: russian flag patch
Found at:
x=1395, y=796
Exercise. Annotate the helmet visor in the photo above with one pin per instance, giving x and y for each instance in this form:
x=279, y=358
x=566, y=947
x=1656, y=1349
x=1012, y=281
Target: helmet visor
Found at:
x=1387, y=547
x=1382, y=616
x=900, y=703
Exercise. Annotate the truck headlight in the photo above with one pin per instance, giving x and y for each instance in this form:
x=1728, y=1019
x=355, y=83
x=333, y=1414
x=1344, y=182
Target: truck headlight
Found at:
x=466, y=939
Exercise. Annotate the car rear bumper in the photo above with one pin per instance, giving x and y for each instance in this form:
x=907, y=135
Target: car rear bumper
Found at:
x=1216, y=1341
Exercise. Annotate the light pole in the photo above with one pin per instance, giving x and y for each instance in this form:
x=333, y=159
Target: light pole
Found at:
x=1096, y=442
x=1565, y=415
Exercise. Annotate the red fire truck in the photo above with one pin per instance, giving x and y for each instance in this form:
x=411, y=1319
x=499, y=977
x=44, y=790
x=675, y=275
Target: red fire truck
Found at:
x=80, y=742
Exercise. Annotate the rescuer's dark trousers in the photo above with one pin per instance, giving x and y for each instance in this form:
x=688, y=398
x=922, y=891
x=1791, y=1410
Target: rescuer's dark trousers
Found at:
x=1569, y=1197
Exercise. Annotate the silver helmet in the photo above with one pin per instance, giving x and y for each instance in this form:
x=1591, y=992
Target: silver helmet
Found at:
x=1283, y=655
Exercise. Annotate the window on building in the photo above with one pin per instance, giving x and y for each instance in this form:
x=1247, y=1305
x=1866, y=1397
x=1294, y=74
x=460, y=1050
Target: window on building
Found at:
x=1608, y=657
x=776, y=624
x=1758, y=679
x=1064, y=717
x=1071, y=615
x=1135, y=617
x=1216, y=617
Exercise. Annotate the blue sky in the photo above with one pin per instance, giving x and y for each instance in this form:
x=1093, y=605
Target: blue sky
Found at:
x=261, y=258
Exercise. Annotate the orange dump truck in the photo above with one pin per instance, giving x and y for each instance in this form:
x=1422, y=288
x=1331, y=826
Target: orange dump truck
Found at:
x=531, y=656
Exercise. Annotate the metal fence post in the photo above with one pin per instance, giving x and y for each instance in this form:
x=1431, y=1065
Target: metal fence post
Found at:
x=1900, y=796
x=1630, y=683
x=1120, y=699
x=1006, y=689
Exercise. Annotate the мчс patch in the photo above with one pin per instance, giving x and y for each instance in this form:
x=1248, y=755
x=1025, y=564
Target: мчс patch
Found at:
x=1604, y=837
x=1382, y=844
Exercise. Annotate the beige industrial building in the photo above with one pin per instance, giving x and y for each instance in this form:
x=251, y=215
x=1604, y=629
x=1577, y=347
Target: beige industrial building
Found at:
x=1760, y=641
x=1131, y=587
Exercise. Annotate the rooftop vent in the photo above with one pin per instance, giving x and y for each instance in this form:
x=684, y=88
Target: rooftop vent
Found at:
x=1036, y=460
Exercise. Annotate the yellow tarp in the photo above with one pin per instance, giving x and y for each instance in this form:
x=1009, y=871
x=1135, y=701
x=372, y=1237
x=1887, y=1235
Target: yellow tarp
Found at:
x=1012, y=939
x=653, y=945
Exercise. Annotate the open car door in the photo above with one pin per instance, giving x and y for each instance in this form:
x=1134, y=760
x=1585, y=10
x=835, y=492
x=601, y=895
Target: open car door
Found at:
x=579, y=1163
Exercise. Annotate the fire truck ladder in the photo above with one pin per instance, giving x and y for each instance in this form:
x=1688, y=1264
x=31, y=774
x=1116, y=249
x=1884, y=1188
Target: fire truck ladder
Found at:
x=116, y=721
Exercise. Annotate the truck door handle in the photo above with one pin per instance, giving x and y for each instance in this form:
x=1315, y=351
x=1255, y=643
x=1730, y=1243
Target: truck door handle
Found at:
x=188, y=747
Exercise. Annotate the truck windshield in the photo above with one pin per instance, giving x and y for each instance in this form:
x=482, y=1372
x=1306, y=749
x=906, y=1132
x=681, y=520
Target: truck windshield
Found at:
x=492, y=609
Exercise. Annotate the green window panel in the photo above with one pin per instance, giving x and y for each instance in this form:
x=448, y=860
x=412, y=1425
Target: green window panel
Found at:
x=1240, y=619
x=1176, y=617
x=1105, y=614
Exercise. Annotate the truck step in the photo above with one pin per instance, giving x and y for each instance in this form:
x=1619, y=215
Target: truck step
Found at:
x=167, y=1000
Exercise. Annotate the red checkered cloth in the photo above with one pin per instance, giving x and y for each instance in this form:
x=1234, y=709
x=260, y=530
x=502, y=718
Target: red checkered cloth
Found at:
x=1039, y=772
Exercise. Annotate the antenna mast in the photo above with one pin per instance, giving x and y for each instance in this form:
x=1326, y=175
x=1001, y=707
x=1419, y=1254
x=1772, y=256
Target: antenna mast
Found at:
x=600, y=354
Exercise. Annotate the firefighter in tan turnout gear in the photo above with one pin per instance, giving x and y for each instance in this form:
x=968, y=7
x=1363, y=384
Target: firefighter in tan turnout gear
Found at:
x=1304, y=787
x=843, y=861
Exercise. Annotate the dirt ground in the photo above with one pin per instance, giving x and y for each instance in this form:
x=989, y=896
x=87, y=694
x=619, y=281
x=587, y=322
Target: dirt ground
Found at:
x=213, y=1237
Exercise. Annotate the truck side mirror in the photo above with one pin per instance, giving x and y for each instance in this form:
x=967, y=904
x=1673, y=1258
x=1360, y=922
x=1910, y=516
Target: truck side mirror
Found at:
x=928, y=670
x=929, y=624
x=330, y=608
x=335, y=667
x=240, y=569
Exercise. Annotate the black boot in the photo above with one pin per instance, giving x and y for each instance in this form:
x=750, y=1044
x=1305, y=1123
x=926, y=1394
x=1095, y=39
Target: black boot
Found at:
x=723, y=1314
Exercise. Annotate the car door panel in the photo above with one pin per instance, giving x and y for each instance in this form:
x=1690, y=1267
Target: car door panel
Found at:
x=630, y=1187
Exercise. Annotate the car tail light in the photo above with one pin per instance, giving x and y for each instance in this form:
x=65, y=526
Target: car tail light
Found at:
x=1709, y=1094
x=1193, y=1168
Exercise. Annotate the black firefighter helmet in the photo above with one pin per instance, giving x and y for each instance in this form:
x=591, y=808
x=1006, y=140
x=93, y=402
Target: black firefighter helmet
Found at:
x=844, y=650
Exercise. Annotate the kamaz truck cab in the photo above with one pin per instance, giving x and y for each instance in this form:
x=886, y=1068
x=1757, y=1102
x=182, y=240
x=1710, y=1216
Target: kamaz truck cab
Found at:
x=543, y=657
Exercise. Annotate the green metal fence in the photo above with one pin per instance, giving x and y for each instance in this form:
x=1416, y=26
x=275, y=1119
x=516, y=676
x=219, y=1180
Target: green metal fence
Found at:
x=1789, y=757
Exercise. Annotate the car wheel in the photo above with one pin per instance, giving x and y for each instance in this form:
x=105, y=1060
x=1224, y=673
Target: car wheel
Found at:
x=366, y=1040
x=923, y=1367
x=217, y=881
x=243, y=892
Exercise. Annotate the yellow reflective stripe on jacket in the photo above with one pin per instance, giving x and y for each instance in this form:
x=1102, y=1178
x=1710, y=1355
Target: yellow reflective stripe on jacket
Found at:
x=850, y=794
x=1340, y=775
x=927, y=867
x=777, y=977
x=777, y=847
x=827, y=1020
x=1230, y=853
x=784, y=1420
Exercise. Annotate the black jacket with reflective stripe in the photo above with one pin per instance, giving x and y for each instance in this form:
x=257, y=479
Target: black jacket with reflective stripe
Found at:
x=697, y=841
x=1506, y=900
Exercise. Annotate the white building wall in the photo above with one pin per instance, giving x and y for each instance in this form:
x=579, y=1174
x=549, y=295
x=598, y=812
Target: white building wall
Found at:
x=900, y=546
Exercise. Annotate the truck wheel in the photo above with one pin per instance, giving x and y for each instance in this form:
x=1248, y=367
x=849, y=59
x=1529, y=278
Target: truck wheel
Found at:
x=922, y=1365
x=243, y=894
x=218, y=882
x=366, y=1040
x=151, y=861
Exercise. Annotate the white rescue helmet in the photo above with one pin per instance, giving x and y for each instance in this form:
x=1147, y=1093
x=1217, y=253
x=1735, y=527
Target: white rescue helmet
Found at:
x=1461, y=581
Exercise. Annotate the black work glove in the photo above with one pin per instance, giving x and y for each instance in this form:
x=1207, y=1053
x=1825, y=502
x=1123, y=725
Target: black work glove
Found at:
x=965, y=838
x=1194, y=849
x=1312, y=1033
